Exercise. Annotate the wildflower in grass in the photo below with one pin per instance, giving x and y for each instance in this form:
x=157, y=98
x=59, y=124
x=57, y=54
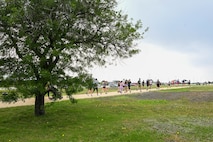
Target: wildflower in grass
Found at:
x=123, y=128
x=177, y=132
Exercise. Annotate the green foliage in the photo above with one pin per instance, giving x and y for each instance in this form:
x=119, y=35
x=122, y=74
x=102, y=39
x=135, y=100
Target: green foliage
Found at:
x=10, y=96
x=57, y=41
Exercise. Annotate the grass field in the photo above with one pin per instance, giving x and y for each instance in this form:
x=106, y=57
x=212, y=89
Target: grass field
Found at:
x=124, y=118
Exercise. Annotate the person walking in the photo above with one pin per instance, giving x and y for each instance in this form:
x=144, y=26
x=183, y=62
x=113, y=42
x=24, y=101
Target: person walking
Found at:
x=95, y=86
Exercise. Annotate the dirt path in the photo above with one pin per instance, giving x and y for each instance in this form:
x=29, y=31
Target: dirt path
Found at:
x=31, y=101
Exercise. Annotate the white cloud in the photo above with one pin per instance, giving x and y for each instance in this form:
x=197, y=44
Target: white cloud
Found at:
x=153, y=62
x=178, y=44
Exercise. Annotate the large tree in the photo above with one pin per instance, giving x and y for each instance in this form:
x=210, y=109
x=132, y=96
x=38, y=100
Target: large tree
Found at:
x=56, y=41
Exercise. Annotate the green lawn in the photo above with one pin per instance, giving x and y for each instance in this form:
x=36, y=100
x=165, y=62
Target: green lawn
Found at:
x=112, y=119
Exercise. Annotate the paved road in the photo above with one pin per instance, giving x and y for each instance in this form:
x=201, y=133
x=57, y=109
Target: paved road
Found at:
x=31, y=101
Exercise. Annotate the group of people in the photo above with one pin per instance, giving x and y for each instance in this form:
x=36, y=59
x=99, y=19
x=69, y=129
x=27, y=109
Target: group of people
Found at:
x=93, y=87
x=149, y=82
x=123, y=86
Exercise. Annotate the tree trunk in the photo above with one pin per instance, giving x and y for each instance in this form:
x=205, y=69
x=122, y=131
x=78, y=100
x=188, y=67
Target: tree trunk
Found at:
x=39, y=105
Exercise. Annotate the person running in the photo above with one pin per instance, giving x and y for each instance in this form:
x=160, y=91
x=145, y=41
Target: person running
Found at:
x=189, y=82
x=150, y=83
x=129, y=85
x=139, y=84
x=104, y=84
x=143, y=83
x=126, y=86
x=147, y=84
x=158, y=84
x=121, y=87
x=169, y=84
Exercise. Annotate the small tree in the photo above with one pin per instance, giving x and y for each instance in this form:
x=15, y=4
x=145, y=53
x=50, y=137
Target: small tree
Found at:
x=57, y=41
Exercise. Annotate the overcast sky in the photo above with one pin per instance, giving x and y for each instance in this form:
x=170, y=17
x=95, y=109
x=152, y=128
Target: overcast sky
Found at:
x=178, y=45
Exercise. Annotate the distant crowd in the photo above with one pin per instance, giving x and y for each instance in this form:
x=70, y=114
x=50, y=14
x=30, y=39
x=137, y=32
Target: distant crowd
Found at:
x=123, y=86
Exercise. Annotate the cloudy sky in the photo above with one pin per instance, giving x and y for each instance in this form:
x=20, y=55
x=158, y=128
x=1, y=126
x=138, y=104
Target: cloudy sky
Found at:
x=178, y=45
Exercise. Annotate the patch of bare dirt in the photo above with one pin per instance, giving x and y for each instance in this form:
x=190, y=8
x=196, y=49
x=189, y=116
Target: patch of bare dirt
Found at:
x=191, y=96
